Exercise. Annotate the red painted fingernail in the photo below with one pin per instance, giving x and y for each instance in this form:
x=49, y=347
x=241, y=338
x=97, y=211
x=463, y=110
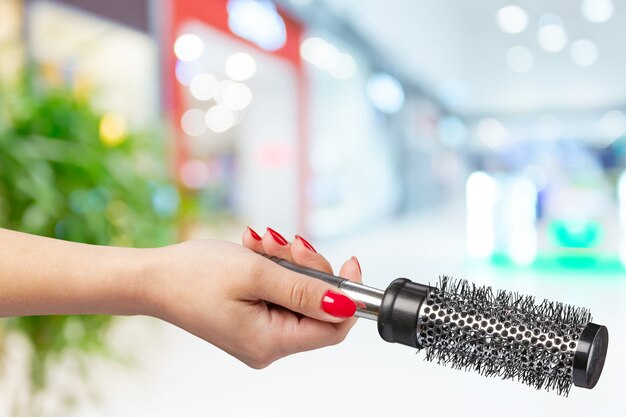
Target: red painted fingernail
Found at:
x=254, y=234
x=357, y=264
x=338, y=305
x=277, y=237
x=305, y=243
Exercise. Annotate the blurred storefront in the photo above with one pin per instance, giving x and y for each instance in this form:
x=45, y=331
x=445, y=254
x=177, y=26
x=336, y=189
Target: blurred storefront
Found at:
x=238, y=99
x=271, y=121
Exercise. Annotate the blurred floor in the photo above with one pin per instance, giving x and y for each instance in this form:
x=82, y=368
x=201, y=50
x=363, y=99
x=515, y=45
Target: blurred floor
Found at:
x=180, y=375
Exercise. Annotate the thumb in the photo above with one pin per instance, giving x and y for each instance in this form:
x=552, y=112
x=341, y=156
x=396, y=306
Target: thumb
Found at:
x=303, y=294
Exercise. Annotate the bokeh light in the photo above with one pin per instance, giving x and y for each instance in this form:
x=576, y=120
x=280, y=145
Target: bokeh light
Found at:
x=316, y=50
x=240, y=66
x=165, y=200
x=452, y=131
x=552, y=38
x=203, y=86
x=234, y=95
x=113, y=129
x=492, y=133
x=597, y=11
x=219, y=118
x=194, y=174
x=584, y=52
x=188, y=47
x=512, y=19
x=257, y=21
x=385, y=93
x=193, y=123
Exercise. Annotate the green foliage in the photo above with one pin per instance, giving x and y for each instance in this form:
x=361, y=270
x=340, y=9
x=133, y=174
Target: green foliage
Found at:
x=59, y=179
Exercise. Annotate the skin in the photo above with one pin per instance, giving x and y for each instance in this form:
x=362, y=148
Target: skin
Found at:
x=224, y=293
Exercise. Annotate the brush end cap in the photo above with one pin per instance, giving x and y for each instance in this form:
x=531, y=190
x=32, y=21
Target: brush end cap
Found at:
x=590, y=355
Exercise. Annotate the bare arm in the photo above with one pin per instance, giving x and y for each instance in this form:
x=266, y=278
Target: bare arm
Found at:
x=40, y=276
x=222, y=292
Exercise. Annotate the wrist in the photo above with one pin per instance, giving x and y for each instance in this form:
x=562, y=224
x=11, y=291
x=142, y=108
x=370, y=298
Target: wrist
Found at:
x=119, y=284
x=139, y=280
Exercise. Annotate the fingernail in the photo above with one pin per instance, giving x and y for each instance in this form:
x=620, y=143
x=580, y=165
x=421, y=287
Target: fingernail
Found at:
x=357, y=264
x=254, y=234
x=338, y=305
x=306, y=244
x=277, y=237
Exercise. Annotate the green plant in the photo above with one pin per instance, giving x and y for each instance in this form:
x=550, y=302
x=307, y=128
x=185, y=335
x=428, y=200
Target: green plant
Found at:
x=65, y=173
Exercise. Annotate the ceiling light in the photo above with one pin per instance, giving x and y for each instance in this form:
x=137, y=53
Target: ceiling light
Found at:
x=512, y=19
x=552, y=37
x=385, y=92
x=492, y=133
x=584, y=52
x=597, y=11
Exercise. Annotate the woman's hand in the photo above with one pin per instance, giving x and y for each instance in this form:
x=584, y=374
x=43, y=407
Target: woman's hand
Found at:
x=245, y=304
x=225, y=293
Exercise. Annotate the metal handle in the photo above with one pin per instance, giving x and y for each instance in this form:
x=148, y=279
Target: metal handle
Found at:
x=367, y=299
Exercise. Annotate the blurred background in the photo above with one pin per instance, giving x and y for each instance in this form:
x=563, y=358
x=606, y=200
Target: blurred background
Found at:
x=483, y=140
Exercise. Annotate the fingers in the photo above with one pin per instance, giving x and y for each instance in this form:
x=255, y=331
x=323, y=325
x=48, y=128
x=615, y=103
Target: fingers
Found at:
x=302, y=294
x=309, y=334
x=252, y=241
x=303, y=253
x=351, y=269
x=326, y=315
x=274, y=244
x=296, y=292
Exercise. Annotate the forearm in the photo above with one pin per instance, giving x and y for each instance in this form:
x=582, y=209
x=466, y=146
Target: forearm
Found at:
x=41, y=276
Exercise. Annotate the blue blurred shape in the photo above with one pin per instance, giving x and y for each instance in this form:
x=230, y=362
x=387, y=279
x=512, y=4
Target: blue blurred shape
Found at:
x=165, y=200
x=257, y=21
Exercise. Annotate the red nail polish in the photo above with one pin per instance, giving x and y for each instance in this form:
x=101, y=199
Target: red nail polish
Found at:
x=306, y=244
x=254, y=234
x=277, y=237
x=338, y=305
x=357, y=264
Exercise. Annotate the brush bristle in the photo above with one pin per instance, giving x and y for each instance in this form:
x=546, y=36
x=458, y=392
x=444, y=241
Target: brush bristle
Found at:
x=502, y=334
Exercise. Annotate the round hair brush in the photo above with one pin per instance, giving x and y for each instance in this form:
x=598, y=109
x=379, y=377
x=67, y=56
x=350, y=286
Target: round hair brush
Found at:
x=548, y=345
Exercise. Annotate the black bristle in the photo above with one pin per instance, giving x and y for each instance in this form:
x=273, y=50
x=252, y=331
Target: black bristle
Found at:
x=513, y=352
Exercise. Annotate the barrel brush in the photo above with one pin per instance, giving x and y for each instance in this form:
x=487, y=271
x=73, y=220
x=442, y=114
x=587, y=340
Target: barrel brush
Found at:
x=547, y=345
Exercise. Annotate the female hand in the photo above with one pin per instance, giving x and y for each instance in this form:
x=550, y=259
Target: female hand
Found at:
x=245, y=304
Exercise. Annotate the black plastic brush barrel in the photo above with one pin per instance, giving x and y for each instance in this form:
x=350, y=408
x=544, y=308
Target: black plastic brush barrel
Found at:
x=399, y=311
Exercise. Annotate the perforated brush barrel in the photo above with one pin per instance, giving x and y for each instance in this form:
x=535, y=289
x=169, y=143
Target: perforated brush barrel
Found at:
x=548, y=345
